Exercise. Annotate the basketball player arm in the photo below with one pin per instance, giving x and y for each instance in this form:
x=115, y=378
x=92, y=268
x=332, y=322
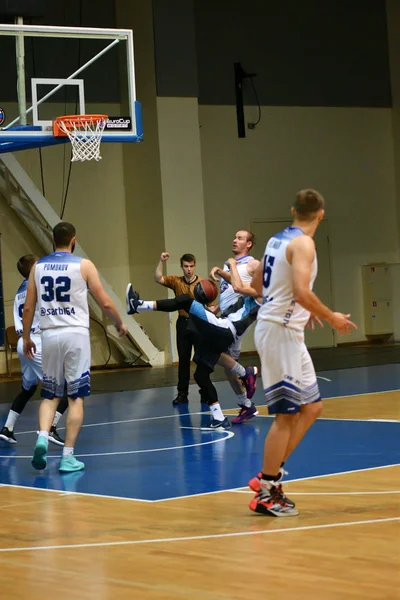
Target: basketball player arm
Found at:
x=91, y=276
x=301, y=254
x=255, y=289
x=217, y=273
x=28, y=314
x=158, y=275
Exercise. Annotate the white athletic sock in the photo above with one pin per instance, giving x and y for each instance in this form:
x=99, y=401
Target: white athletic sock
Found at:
x=11, y=420
x=243, y=400
x=216, y=411
x=43, y=433
x=57, y=417
x=67, y=451
x=266, y=486
x=145, y=305
x=238, y=369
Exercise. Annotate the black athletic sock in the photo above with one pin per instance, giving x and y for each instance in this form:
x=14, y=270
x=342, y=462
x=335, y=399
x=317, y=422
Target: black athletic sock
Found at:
x=269, y=477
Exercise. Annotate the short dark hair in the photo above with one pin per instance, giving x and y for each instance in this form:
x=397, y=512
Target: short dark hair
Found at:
x=308, y=203
x=25, y=264
x=63, y=233
x=188, y=258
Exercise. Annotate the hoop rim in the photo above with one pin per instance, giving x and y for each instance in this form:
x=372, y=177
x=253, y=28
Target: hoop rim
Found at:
x=69, y=121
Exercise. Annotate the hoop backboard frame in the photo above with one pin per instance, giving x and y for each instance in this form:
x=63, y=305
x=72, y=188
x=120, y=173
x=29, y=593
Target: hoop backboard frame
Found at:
x=40, y=133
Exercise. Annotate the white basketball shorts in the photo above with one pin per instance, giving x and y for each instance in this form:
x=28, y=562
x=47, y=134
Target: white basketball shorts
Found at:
x=287, y=371
x=31, y=368
x=66, y=358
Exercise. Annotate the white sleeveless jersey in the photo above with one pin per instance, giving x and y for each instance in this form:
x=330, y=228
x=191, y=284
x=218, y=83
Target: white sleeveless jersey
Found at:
x=227, y=294
x=19, y=303
x=278, y=303
x=61, y=291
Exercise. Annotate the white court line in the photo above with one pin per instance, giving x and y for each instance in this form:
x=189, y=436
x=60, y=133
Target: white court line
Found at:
x=384, y=420
x=66, y=493
x=327, y=493
x=208, y=429
x=286, y=481
x=175, y=416
x=229, y=434
x=361, y=394
x=201, y=537
x=324, y=378
x=93, y=495
x=126, y=421
x=336, y=419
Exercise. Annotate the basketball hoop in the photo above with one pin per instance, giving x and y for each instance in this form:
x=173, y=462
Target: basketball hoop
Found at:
x=84, y=133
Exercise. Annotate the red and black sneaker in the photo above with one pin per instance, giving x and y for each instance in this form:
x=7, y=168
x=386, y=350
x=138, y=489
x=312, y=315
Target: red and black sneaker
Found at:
x=273, y=504
x=245, y=414
x=250, y=381
x=254, y=484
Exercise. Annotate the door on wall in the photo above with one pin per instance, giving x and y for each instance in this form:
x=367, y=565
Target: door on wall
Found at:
x=263, y=230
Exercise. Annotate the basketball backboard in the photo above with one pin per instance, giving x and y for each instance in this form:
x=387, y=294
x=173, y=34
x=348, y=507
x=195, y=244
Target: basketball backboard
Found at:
x=42, y=99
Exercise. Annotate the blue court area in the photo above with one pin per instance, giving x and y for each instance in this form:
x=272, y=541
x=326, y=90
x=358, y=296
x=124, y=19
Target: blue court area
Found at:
x=136, y=445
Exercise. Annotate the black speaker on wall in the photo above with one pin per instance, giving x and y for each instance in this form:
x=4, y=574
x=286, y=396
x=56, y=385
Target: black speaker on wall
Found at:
x=239, y=76
x=22, y=8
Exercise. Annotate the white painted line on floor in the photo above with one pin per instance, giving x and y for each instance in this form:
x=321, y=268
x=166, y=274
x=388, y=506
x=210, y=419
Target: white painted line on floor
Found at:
x=229, y=434
x=93, y=495
x=209, y=429
x=324, y=378
x=66, y=493
x=175, y=416
x=290, y=493
x=202, y=537
x=344, y=420
x=384, y=420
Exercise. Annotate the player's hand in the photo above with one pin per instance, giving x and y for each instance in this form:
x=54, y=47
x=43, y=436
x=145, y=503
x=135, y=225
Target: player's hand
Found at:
x=164, y=256
x=312, y=321
x=214, y=308
x=122, y=329
x=342, y=323
x=230, y=262
x=214, y=274
x=29, y=349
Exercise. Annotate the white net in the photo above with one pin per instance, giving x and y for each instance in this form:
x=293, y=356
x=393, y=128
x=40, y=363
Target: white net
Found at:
x=85, y=136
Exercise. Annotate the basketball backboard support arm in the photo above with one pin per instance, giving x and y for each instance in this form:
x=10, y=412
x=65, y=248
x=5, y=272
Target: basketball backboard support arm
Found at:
x=20, y=52
x=35, y=136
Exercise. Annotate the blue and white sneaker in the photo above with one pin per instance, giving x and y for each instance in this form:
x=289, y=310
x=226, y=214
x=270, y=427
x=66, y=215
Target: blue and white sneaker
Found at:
x=70, y=464
x=214, y=424
x=132, y=300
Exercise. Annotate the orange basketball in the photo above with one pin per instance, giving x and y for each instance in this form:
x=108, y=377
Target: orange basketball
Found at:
x=205, y=291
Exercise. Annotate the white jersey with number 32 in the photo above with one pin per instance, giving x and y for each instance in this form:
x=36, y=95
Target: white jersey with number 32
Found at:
x=61, y=291
x=278, y=303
